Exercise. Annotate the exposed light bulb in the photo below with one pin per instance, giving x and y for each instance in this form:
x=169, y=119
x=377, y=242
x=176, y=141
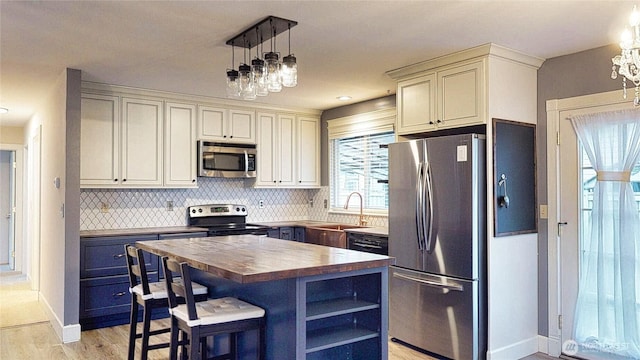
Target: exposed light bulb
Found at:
x=289, y=71
x=233, y=86
x=274, y=81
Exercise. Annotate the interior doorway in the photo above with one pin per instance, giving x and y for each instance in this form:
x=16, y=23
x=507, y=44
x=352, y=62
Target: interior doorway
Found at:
x=7, y=210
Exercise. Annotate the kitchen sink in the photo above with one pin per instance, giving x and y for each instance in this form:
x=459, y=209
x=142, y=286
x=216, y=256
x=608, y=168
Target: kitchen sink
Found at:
x=329, y=235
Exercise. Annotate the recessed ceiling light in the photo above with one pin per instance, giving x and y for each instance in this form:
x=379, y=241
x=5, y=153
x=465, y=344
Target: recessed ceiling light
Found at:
x=3, y=110
x=344, y=98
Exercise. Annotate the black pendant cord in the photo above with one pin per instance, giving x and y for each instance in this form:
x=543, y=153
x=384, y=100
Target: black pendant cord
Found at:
x=289, y=30
x=233, y=56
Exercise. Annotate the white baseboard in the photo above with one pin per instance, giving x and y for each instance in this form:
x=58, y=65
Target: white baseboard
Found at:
x=543, y=344
x=517, y=350
x=68, y=333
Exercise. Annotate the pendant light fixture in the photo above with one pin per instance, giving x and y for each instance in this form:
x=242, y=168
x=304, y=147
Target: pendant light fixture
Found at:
x=247, y=86
x=258, y=70
x=267, y=74
x=289, y=70
x=233, y=86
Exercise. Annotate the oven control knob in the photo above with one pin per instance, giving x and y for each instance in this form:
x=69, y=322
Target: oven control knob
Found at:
x=237, y=209
x=200, y=210
x=193, y=211
x=244, y=210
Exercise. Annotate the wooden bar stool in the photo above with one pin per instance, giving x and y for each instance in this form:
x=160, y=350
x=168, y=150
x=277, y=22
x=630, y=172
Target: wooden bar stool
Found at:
x=198, y=320
x=149, y=295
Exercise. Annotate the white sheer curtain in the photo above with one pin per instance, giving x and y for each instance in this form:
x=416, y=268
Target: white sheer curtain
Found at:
x=608, y=306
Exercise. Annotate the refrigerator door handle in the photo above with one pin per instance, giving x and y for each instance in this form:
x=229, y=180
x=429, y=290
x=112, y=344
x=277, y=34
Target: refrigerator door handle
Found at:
x=420, y=206
x=429, y=206
x=453, y=286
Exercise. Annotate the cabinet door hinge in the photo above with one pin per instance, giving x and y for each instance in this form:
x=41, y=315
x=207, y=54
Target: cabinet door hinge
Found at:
x=560, y=322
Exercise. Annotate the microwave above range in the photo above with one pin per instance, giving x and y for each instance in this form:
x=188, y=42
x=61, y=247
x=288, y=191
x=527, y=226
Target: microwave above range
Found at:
x=226, y=160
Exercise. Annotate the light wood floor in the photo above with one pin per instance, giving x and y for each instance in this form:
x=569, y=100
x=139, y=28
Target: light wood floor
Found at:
x=34, y=339
x=38, y=341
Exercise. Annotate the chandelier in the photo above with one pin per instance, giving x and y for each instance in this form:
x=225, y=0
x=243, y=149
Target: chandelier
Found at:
x=628, y=61
x=266, y=73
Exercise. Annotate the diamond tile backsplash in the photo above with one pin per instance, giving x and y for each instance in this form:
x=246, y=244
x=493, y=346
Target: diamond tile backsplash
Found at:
x=135, y=208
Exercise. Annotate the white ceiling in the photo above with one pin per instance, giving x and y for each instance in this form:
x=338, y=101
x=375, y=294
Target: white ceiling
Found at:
x=342, y=47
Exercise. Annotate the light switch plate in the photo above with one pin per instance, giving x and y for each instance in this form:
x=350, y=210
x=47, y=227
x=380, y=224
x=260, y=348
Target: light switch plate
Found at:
x=544, y=211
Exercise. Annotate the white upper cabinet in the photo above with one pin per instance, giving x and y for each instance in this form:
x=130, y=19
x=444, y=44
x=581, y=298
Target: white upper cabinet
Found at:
x=288, y=150
x=121, y=142
x=136, y=138
x=276, y=150
x=416, y=104
x=142, y=130
x=308, y=151
x=286, y=144
x=461, y=95
x=180, y=162
x=100, y=140
x=453, y=96
x=466, y=88
x=226, y=125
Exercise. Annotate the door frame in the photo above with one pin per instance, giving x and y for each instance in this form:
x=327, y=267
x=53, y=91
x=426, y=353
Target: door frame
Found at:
x=18, y=238
x=554, y=107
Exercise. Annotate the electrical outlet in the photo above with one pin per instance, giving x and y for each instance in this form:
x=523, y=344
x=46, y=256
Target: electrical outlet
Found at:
x=311, y=202
x=104, y=207
x=169, y=205
x=261, y=204
x=326, y=203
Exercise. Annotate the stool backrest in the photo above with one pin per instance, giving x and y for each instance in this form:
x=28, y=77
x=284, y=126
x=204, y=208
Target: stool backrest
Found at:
x=136, y=268
x=179, y=287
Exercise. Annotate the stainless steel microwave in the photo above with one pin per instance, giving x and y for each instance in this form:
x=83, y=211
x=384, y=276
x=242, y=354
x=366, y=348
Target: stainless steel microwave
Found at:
x=226, y=160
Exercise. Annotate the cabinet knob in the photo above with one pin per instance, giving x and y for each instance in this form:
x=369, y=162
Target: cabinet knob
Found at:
x=118, y=256
x=123, y=180
x=439, y=121
x=115, y=180
x=118, y=294
x=194, y=180
x=231, y=136
x=274, y=181
x=431, y=122
x=224, y=136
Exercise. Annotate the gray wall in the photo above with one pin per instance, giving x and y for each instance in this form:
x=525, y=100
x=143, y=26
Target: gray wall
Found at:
x=72, y=198
x=583, y=73
x=347, y=110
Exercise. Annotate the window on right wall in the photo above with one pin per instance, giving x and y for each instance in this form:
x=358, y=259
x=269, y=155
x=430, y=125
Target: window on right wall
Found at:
x=358, y=160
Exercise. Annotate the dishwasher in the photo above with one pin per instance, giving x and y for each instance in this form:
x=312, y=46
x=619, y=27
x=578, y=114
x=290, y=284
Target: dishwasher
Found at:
x=376, y=244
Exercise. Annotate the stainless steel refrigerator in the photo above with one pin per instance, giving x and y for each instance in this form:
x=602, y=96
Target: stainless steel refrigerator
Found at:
x=437, y=233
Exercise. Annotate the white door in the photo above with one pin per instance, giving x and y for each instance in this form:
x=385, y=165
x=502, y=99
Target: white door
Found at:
x=574, y=209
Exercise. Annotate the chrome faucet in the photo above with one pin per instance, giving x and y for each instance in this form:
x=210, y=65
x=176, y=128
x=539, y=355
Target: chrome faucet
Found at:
x=362, y=221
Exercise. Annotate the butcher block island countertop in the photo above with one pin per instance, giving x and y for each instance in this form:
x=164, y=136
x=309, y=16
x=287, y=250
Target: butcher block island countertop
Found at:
x=321, y=303
x=251, y=258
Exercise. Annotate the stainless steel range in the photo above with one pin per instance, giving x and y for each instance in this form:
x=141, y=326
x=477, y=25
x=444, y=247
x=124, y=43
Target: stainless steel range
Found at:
x=223, y=219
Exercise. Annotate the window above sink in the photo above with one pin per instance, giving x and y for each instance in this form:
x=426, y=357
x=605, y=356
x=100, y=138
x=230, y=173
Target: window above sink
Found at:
x=358, y=161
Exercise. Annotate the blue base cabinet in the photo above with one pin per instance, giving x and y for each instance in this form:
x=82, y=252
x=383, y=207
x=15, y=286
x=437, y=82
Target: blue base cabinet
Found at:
x=104, y=284
x=287, y=233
